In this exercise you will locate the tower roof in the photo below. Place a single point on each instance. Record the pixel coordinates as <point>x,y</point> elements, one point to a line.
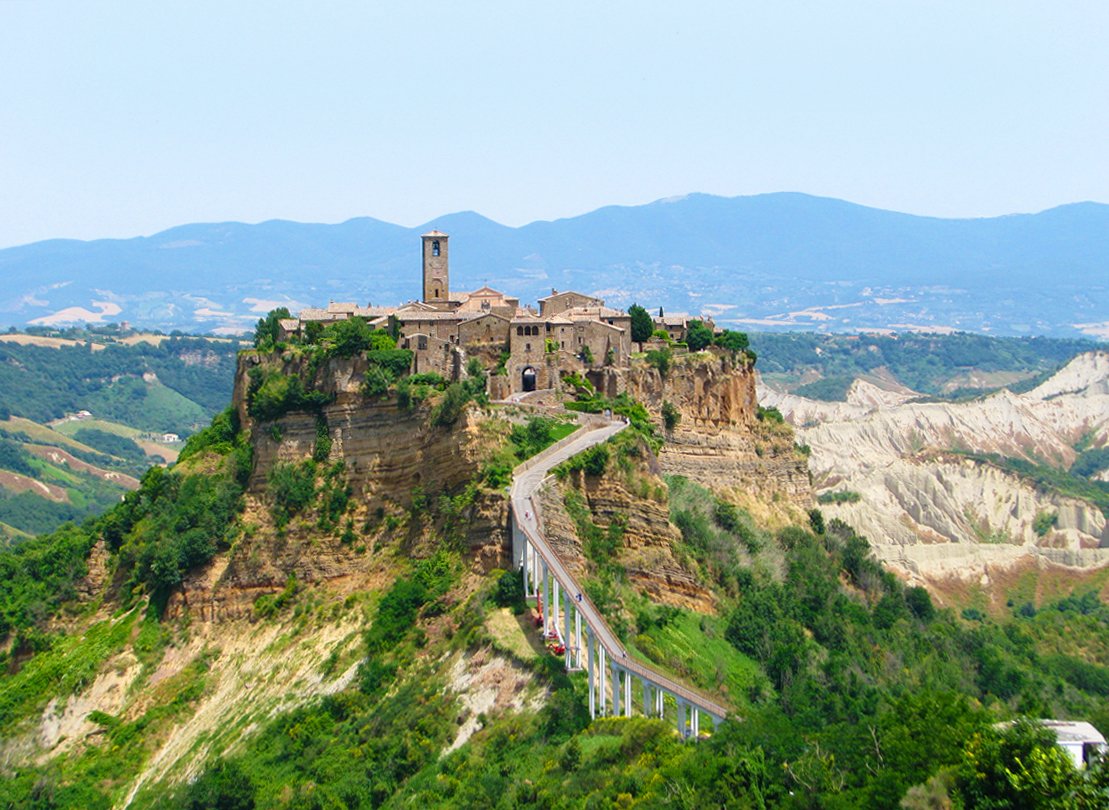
<point>434,233</point>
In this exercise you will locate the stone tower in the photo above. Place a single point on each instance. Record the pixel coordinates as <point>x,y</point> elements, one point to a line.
<point>436,275</point>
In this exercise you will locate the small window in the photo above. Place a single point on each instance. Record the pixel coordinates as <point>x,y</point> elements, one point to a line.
<point>435,250</point>
<point>421,342</point>
<point>519,331</point>
<point>436,292</point>
<point>562,344</point>
<point>527,347</point>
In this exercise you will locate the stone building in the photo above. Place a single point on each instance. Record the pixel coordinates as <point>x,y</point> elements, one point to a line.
<point>526,349</point>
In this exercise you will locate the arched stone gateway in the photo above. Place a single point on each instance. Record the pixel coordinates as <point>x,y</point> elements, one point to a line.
<point>529,379</point>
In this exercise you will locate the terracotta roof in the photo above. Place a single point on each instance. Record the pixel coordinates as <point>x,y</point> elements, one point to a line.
<point>477,316</point>
<point>555,294</point>
<point>341,306</point>
<point>374,312</point>
<point>487,291</point>
<point>584,313</point>
<point>434,233</point>
<point>418,316</point>
<point>526,316</point>
<point>316,314</point>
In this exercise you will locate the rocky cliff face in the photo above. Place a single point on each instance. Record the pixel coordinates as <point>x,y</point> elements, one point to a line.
<point>396,466</point>
<point>646,542</point>
<point>718,441</point>
<point>937,513</point>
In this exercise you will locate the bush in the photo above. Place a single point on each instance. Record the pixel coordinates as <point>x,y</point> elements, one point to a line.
<point>272,394</point>
<point>771,415</point>
<point>671,416</point>
<point>1045,522</point>
<point>661,360</point>
<point>840,496</point>
<point>509,592</point>
<point>397,362</point>
<point>377,382</point>
<point>920,603</point>
<point>448,410</point>
<point>292,487</point>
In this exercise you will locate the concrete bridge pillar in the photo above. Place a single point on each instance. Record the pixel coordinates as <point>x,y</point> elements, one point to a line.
<point>577,637</point>
<point>554,606</point>
<point>615,690</point>
<point>681,719</point>
<point>602,669</point>
<point>546,601</point>
<point>589,678</point>
<point>524,562</point>
<point>627,694</point>
<point>567,641</point>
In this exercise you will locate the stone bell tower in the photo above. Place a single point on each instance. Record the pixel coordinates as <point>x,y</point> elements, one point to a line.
<point>436,275</point>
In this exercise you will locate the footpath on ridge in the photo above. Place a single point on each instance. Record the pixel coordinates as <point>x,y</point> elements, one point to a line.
<point>527,479</point>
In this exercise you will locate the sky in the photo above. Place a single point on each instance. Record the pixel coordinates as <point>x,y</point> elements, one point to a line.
<point>120,119</point>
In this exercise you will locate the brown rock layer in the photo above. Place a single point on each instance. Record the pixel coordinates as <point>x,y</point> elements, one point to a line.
<point>718,441</point>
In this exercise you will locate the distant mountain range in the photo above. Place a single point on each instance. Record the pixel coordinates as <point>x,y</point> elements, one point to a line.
<point>773,261</point>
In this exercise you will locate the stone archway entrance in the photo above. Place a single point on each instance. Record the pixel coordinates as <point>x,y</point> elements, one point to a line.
<point>529,379</point>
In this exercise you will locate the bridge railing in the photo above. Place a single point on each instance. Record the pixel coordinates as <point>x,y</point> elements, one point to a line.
<point>593,618</point>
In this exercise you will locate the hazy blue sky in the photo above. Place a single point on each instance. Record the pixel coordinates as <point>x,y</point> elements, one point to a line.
<point>124,118</point>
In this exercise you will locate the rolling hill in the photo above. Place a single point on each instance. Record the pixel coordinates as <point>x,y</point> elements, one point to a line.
<point>769,261</point>
<point>84,414</point>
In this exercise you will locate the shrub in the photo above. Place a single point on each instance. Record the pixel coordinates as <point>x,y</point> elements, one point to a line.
<point>377,382</point>
<point>292,487</point>
<point>660,359</point>
<point>509,592</point>
<point>448,410</point>
<point>1045,522</point>
<point>840,496</point>
<point>671,416</point>
<point>771,415</point>
<point>595,459</point>
<point>397,362</point>
<point>920,603</point>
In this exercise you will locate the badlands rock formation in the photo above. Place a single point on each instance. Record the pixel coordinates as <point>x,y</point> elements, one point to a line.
<point>934,512</point>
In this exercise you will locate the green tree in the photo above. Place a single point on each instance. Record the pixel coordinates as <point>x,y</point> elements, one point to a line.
<point>732,341</point>
<point>698,336</point>
<point>1016,766</point>
<point>642,325</point>
<point>266,330</point>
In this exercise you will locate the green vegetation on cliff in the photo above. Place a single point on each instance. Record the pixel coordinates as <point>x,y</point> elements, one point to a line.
<point>851,689</point>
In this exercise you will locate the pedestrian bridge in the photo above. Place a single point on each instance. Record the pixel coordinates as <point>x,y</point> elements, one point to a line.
<point>617,684</point>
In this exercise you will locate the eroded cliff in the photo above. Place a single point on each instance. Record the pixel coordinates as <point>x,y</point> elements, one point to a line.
<point>718,440</point>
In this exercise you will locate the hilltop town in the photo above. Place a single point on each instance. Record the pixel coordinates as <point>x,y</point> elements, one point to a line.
<point>570,331</point>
